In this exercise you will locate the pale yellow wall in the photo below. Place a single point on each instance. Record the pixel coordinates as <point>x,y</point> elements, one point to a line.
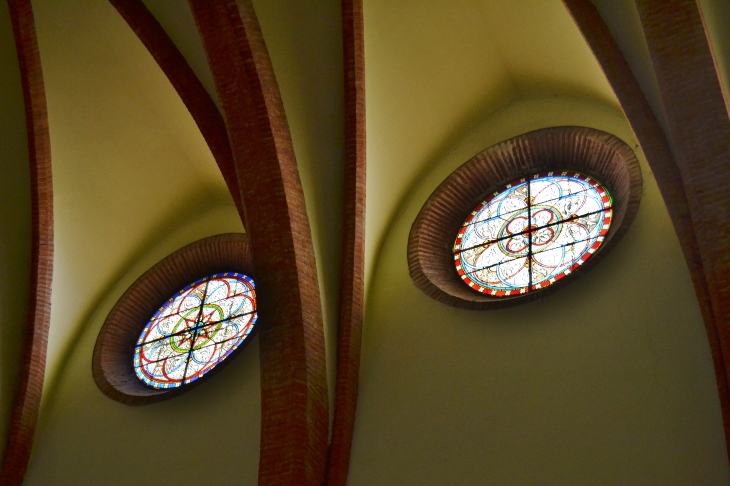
<point>209,435</point>
<point>134,181</point>
<point>435,69</point>
<point>15,223</point>
<point>608,381</point>
<point>432,71</point>
<point>128,159</point>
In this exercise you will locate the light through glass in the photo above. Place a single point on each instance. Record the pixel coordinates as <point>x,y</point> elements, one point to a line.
<point>532,233</point>
<point>195,330</point>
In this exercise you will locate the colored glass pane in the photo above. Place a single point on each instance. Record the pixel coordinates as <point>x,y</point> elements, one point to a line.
<point>532,233</point>
<point>195,330</point>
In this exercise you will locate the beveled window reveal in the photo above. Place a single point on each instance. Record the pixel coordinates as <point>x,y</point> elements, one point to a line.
<point>532,233</point>
<point>166,335</point>
<point>524,217</point>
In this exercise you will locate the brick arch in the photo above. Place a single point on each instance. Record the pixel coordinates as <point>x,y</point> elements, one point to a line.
<point>28,401</point>
<point>294,422</point>
<point>352,298</point>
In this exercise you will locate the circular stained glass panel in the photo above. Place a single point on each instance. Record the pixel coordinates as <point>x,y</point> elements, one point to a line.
<point>533,232</point>
<point>195,330</point>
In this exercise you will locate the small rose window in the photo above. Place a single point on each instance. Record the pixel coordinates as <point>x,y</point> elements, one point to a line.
<point>195,330</point>
<point>167,335</point>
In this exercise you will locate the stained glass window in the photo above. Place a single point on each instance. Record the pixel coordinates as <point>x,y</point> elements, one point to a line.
<point>532,233</point>
<point>195,330</point>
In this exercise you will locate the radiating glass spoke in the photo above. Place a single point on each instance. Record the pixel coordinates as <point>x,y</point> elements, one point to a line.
<point>196,326</point>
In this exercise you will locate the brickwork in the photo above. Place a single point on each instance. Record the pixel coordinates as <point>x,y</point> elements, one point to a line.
<point>27,404</point>
<point>112,361</point>
<point>699,125</point>
<point>585,150</point>
<point>352,299</point>
<point>294,424</point>
<point>188,86</point>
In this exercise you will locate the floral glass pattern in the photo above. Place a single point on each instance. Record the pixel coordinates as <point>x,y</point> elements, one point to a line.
<point>195,330</point>
<point>532,233</point>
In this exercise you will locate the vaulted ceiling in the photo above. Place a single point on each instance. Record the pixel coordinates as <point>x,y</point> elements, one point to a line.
<point>608,381</point>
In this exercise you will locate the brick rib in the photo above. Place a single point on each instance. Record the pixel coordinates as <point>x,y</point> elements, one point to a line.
<point>27,405</point>
<point>188,86</point>
<point>699,125</point>
<point>677,196</point>
<point>294,424</point>
<point>352,299</point>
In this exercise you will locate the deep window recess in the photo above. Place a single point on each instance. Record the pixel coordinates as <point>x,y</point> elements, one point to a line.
<point>524,217</point>
<point>167,335</point>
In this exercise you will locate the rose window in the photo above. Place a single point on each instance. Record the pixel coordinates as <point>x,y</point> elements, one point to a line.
<point>532,233</point>
<point>195,330</point>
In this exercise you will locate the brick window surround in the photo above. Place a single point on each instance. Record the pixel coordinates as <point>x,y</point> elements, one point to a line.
<point>112,360</point>
<point>592,152</point>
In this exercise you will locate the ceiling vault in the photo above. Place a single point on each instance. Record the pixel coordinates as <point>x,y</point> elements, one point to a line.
<point>188,86</point>
<point>699,128</point>
<point>28,400</point>
<point>249,137</point>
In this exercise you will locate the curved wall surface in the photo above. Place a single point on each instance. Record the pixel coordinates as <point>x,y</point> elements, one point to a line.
<point>607,381</point>
<point>134,182</point>
<point>209,435</point>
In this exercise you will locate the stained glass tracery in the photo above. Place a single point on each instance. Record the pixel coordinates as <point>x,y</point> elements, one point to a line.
<point>195,330</point>
<point>532,233</point>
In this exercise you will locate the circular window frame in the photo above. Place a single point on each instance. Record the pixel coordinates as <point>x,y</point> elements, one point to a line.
<point>112,362</point>
<point>585,150</point>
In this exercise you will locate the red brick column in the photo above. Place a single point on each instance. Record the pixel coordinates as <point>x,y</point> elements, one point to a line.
<point>294,422</point>
<point>188,86</point>
<point>28,401</point>
<point>699,125</point>
<point>352,299</point>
